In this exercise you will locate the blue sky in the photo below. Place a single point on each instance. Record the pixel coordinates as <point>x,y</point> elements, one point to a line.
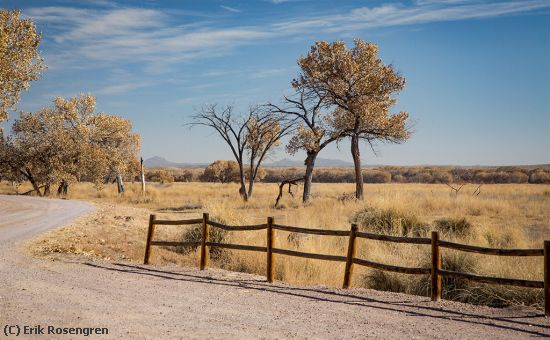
<point>478,72</point>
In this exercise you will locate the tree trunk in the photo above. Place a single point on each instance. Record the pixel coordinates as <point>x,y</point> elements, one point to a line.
<point>63,188</point>
<point>310,163</point>
<point>35,186</point>
<point>250,187</point>
<point>242,189</point>
<point>357,165</point>
<point>30,177</point>
<point>251,179</point>
<point>120,184</point>
<point>47,189</point>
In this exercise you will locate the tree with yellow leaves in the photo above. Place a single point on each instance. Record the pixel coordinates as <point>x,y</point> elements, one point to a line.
<point>361,88</point>
<point>20,62</point>
<point>68,142</point>
<point>221,171</point>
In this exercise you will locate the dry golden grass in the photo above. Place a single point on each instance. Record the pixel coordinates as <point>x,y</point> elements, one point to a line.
<point>511,215</point>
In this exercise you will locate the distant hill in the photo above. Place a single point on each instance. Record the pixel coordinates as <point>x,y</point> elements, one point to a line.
<point>161,162</point>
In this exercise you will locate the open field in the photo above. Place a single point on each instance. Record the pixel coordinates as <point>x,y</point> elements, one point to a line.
<point>176,301</point>
<point>501,216</point>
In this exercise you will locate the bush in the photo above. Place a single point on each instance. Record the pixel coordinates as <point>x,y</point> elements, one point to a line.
<point>186,176</point>
<point>376,176</point>
<point>195,235</point>
<point>456,288</point>
<point>454,227</point>
<point>221,171</point>
<point>162,176</point>
<point>539,176</point>
<point>396,282</point>
<point>390,222</point>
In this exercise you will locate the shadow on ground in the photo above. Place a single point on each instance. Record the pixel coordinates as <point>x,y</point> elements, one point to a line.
<point>528,323</point>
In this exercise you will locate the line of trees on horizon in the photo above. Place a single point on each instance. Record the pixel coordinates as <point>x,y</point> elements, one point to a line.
<point>222,171</point>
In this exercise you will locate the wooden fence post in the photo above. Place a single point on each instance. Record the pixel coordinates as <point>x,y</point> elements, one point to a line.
<point>436,267</point>
<point>547,278</point>
<point>204,239</point>
<point>351,254</point>
<point>270,241</point>
<point>142,178</point>
<point>150,234</point>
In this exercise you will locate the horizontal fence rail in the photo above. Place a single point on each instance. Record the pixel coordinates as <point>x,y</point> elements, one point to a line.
<point>491,251</point>
<point>175,244</point>
<point>309,255</point>
<point>494,280</point>
<point>391,268</point>
<point>311,231</point>
<point>178,222</point>
<point>435,272</point>
<point>237,227</point>
<point>236,246</point>
<point>396,239</point>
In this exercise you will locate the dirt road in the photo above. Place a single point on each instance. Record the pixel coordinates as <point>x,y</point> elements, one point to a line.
<point>147,302</point>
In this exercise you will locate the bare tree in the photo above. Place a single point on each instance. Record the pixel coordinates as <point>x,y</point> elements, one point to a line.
<point>252,135</point>
<point>313,134</point>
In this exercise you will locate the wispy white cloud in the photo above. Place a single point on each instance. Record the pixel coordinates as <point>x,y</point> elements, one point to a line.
<point>122,88</point>
<point>424,11</point>
<point>158,39</point>
<point>230,9</point>
<point>269,72</point>
<point>136,35</point>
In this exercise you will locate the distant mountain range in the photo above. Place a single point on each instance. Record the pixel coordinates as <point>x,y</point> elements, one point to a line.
<point>320,162</point>
<point>160,162</point>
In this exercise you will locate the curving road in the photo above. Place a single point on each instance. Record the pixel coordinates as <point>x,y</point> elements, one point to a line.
<point>145,302</point>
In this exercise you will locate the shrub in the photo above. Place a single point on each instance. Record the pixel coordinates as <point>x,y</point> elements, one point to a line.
<point>390,222</point>
<point>454,227</point>
<point>539,176</point>
<point>395,282</point>
<point>195,235</point>
<point>456,288</point>
<point>162,176</point>
<point>221,171</point>
<point>376,176</point>
<point>382,280</point>
<point>346,197</point>
<point>186,176</point>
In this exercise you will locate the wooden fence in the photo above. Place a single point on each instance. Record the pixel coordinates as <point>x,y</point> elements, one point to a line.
<point>350,259</point>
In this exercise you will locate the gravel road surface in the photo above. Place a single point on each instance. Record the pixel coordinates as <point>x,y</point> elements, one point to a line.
<point>148,302</point>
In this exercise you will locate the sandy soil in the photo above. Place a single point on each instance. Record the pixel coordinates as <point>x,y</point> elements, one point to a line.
<point>146,302</point>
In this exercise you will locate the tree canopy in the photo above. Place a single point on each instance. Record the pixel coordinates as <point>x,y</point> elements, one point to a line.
<point>69,142</point>
<point>20,61</point>
<point>361,88</point>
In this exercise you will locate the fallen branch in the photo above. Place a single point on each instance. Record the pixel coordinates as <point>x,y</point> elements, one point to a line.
<point>37,190</point>
<point>290,183</point>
